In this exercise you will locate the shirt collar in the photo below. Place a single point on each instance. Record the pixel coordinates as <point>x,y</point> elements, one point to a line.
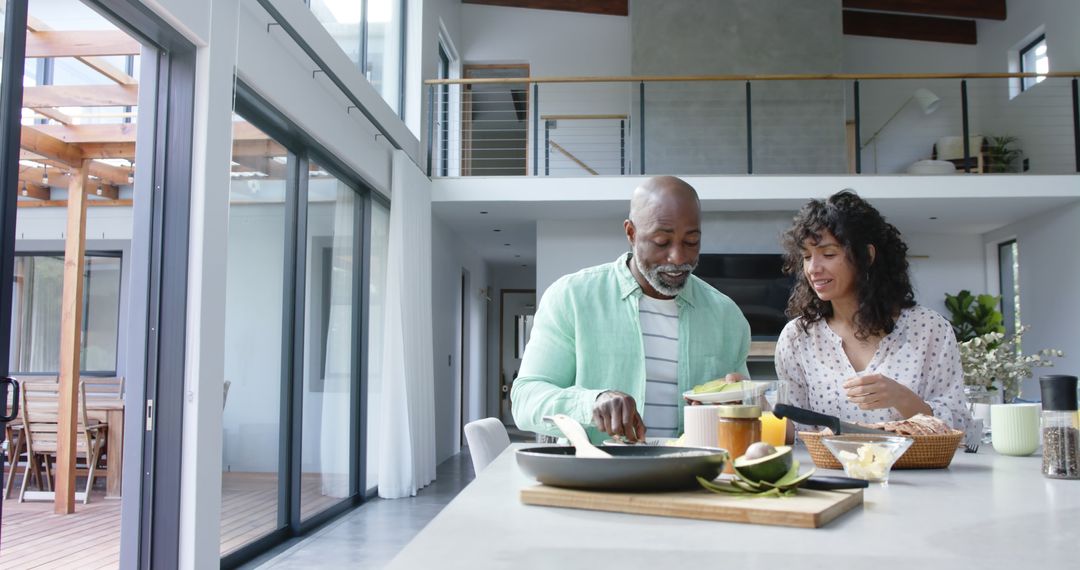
<point>628,284</point>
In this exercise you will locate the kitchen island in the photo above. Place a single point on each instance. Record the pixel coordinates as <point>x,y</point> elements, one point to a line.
<point>986,511</point>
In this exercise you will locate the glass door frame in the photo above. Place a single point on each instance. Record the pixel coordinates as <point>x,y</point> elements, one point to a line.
<point>302,150</point>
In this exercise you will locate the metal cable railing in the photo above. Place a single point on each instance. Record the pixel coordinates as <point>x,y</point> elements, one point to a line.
<point>754,124</point>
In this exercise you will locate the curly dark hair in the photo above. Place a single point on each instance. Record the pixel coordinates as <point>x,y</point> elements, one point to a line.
<point>884,286</point>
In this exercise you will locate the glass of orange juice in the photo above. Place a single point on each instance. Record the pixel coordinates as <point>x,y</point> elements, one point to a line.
<point>773,429</point>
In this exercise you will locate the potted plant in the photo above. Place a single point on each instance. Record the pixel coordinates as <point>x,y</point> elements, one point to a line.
<point>992,362</point>
<point>1001,154</point>
<point>972,316</point>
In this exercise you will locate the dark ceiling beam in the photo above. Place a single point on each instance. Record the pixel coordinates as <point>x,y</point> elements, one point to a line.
<point>926,29</point>
<point>607,7</point>
<point>981,9</point>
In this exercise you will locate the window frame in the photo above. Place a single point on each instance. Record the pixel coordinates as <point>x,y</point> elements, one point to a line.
<point>1024,85</point>
<point>107,253</point>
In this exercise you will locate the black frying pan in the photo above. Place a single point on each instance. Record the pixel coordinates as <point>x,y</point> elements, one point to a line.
<point>630,468</point>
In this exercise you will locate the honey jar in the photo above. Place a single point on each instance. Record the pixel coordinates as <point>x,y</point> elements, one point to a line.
<point>738,427</point>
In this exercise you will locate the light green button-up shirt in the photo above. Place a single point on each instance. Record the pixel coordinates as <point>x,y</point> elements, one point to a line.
<point>586,339</point>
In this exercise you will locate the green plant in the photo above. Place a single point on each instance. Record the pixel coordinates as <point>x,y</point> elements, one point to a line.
<point>995,362</point>
<point>974,316</point>
<point>1001,155</point>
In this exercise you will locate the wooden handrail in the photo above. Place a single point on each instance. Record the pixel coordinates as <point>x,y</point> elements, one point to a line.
<point>764,77</point>
<point>579,117</point>
<point>570,155</point>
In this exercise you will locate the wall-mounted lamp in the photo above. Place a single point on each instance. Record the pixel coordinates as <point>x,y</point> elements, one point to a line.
<point>131,175</point>
<point>485,293</point>
<point>45,176</point>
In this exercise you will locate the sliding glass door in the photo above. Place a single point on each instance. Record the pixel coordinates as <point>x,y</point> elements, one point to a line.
<point>327,460</point>
<point>295,331</point>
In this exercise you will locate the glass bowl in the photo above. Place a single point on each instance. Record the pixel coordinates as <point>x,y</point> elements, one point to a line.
<point>867,456</point>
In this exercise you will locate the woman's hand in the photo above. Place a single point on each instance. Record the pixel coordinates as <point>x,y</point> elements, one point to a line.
<point>876,391</point>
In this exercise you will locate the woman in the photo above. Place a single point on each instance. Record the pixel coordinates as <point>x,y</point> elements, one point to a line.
<point>859,347</point>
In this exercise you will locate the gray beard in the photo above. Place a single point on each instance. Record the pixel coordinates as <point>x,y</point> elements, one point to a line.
<point>654,278</point>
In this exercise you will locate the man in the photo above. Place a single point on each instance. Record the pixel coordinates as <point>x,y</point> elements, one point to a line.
<point>616,345</point>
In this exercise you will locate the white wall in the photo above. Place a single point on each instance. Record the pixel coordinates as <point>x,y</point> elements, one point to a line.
<point>1041,115</point>
<point>448,257</point>
<point>1049,282</point>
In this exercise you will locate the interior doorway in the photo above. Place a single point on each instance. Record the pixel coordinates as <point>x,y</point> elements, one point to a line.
<point>514,306</point>
<point>463,357</point>
<point>495,122</point>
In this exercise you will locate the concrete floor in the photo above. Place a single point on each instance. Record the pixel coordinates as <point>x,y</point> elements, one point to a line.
<point>372,534</point>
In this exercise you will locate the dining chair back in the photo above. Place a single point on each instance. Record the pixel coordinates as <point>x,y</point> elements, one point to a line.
<point>41,418</point>
<point>486,439</point>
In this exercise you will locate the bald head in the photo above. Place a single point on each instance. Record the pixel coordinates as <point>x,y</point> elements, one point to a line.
<point>663,192</point>
<point>664,231</point>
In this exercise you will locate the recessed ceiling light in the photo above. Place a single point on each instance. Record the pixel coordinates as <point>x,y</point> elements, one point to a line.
<point>933,217</point>
<point>516,255</point>
<point>496,230</point>
<point>483,211</point>
<point>523,265</point>
<point>506,244</point>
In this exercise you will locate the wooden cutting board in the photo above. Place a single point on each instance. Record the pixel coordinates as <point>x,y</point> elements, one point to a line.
<point>807,509</point>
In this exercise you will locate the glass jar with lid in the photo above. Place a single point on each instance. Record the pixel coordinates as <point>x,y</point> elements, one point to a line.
<point>738,427</point>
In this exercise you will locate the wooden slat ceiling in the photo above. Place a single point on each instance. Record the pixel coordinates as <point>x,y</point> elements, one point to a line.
<point>949,21</point>
<point>52,151</point>
<point>608,7</point>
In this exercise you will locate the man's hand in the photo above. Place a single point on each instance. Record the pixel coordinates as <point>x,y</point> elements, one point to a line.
<point>875,392</point>
<point>615,414</point>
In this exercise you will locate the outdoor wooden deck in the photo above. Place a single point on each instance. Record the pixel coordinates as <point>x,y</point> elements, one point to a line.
<point>33,537</point>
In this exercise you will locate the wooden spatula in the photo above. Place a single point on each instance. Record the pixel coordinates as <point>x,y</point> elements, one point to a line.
<point>577,436</point>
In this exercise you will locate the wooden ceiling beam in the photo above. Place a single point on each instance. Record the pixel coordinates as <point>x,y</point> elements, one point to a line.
<point>979,9</point>
<point>878,25</point>
<point>37,97</point>
<point>47,146</point>
<point>102,190</point>
<point>55,115</point>
<point>30,185</point>
<point>98,64</point>
<point>125,133</point>
<point>63,203</point>
<point>125,150</point>
<point>80,44</point>
<point>606,7</point>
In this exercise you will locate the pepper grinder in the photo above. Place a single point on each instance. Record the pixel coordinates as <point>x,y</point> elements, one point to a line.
<point>1060,427</point>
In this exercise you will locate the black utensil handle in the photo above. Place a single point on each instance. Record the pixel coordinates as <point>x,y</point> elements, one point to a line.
<point>807,417</point>
<point>6,417</point>
<point>830,483</point>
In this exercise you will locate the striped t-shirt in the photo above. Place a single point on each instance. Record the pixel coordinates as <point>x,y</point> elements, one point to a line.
<point>660,337</point>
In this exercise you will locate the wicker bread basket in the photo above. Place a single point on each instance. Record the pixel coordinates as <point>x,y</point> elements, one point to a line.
<point>927,452</point>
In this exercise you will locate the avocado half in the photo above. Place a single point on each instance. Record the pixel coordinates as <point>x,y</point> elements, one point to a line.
<point>718,385</point>
<point>769,468</point>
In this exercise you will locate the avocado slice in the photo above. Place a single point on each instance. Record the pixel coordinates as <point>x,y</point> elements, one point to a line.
<point>770,468</point>
<point>718,385</point>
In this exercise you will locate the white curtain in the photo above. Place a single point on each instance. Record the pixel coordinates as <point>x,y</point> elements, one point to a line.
<point>334,443</point>
<point>407,416</point>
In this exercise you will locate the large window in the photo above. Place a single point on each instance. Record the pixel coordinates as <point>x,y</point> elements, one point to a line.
<point>371,32</point>
<point>331,289</point>
<point>254,290</point>
<point>1034,59</point>
<point>294,316</point>
<point>1009,282</point>
<point>35,322</point>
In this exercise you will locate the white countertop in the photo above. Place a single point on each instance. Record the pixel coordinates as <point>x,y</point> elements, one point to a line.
<point>985,511</point>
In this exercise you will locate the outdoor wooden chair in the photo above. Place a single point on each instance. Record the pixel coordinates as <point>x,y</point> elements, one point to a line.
<point>40,425</point>
<point>103,387</point>
<point>35,385</point>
